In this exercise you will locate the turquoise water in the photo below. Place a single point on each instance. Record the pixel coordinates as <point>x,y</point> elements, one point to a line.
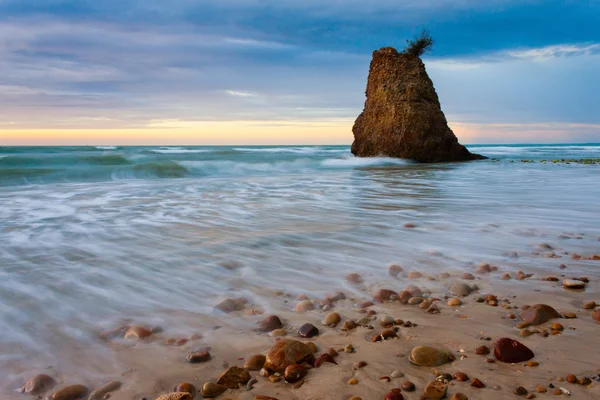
<point>90,236</point>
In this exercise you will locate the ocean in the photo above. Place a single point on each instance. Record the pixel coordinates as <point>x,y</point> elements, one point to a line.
<point>93,236</point>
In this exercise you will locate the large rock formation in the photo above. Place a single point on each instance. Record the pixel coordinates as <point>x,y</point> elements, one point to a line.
<point>402,116</point>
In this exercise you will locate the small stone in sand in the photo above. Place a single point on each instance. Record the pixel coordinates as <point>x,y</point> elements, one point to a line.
<point>308,331</point>
<point>265,398</point>
<point>569,315</point>
<point>461,289</point>
<point>557,327</point>
<point>394,396</point>
<point>293,373</point>
<point>37,385</point>
<point>573,284</point>
<point>571,378</point>
<point>435,390</point>
<point>523,325</point>
<point>331,319</point>
<point>288,352</point>
<point>520,391</point>
<point>185,387</point>
<point>482,351</point>
<point>397,374</point>
<point>525,333</point>
<point>408,386</point>
<point>539,314</point>
<point>476,383</point>
<point>270,323</point>
<point>255,362</point>
<point>454,302</point>
<point>231,305</point>
<point>324,358</point>
<point>461,376</point>
<point>354,278</point>
<point>395,270</point>
<point>353,381</point>
<point>304,306</point>
<point>138,332</point>
<point>198,357</point>
<point>596,315</point>
<point>387,320</point>
<point>414,291</point>
<point>279,333</point>
<point>73,392</point>
<point>349,349</point>
<point>541,389</point>
<point>533,364</point>
<point>415,275</point>
<point>505,277</point>
<point>511,351</point>
<point>426,356</point>
<point>233,377</point>
<point>360,364</point>
<point>103,391</point>
<point>589,305</point>
<point>468,276</point>
<point>176,396</point>
<point>459,396</point>
<point>413,301</point>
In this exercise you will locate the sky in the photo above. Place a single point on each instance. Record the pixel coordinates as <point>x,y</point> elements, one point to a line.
<point>288,72</point>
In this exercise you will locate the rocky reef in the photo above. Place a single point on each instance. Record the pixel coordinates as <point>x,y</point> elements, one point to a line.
<point>402,116</point>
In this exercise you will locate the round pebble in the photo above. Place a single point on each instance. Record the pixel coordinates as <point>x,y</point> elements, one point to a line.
<point>331,319</point>
<point>408,386</point>
<point>454,302</point>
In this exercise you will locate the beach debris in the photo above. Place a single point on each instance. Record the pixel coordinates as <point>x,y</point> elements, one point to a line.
<point>198,357</point>
<point>573,284</point>
<point>73,392</point>
<point>211,389</point>
<point>230,305</point>
<point>308,331</point>
<point>183,387</point>
<point>293,373</point>
<point>255,362</point>
<point>394,270</point>
<point>304,306</point>
<point>426,356</point>
<point>408,386</point>
<point>331,319</point>
<point>138,332</point>
<point>435,390</point>
<point>176,396</point>
<point>233,377</point>
<point>476,383</point>
<point>270,323</point>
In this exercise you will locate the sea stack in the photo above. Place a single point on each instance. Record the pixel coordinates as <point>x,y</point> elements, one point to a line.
<point>402,116</point>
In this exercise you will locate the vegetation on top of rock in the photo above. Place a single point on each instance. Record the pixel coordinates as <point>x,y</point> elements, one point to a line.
<point>419,45</point>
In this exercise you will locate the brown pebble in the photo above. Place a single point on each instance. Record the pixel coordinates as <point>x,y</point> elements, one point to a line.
<point>385,378</point>
<point>569,315</point>
<point>408,386</point>
<point>186,388</point>
<point>37,385</point>
<point>435,390</point>
<point>584,381</point>
<point>533,364</point>
<point>308,331</point>
<point>255,362</point>
<point>454,302</point>
<point>505,277</point>
<point>596,315</point>
<point>589,305</point>
<point>393,396</point>
<point>476,383</point>
<point>198,357</point>
<point>459,396</point>
<point>73,392</point>
<point>557,327</point>
<point>482,351</point>
<point>295,372</point>
<point>468,276</point>
<point>523,325</point>
<point>270,323</point>
<point>353,381</point>
<point>395,270</point>
<point>265,398</point>
<point>541,389</point>
<point>490,360</point>
<point>360,364</point>
<point>461,376</point>
<point>571,378</point>
<point>557,392</point>
<point>530,396</point>
<point>415,275</point>
<point>354,278</point>
<point>138,332</point>
<point>520,391</point>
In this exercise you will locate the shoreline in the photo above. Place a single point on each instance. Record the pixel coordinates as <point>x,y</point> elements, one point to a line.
<point>150,368</point>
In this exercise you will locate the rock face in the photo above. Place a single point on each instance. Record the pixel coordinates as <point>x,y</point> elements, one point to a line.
<point>402,116</point>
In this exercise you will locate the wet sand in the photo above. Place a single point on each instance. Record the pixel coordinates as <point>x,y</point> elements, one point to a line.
<point>149,367</point>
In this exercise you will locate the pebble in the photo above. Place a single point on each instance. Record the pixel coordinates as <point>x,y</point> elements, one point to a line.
<point>539,314</point>
<point>484,268</point>
<point>525,333</point>
<point>349,349</point>
<point>506,277</point>
<point>279,333</point>
<point>569,315</point>
<point>308,331</point>
<point>323,358</point>
<point>523,325</point>
<point>353,381</point>
<point>468,276</point>
<point>413,301</point>
<point>397,374</point>
<point>102,391</point>
<point>454,302</point>
<point>251,384</point>
<point>571,378</point>
<point>461,376</point>
<point>584,381</point>
<point>73,392</point>
<point>293,373</point>
<point>138,332</point>
<point>230,305</point>
<point>37,385</point>
<point>176,396</point>
<point>541,389</point>
<point>435,390</point>
<point>332,352</point>
<point>312,347</point>
<point>255,362</point>
<point>482,351</point>
<point>270,323</point>
<point>415,275</point>
<point>533,364</point>
<point>557,392</point>
<point>394,396</point>
<point>408,386</point>
<point>414,291</point>
<point>395,270</point>
<point>331,319</point>
<point>511,351</point>
<point>233,377</point>
<point>461,289</point>
<point>596,315</point>
<point>265,398</point>
<point>426,356</point>
<point>304,306</point>
<point>349,325</point>
<point>287,352</point>
<point>459,396</point>
<point>520,391</point>
<point>183,387</point>
<point>354,278</point>
<point>387,320</point>
<point>360,364</point>
<point>557,327</point>
<point>589,305</point>
<point>573,284</point>
<point>198,357</point>
<point>476,383</point>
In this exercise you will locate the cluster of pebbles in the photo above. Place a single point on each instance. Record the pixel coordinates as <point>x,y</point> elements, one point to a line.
<point>295,361</point>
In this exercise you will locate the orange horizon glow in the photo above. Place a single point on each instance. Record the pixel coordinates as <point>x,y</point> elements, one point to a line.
<point>329,132</point>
